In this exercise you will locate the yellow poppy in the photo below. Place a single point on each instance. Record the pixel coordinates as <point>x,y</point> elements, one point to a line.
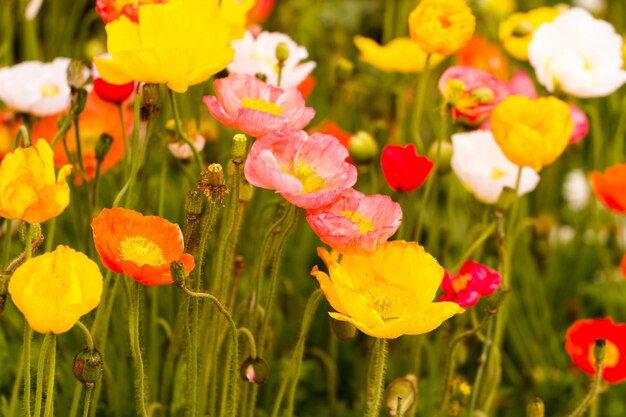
<point>236,15</point>
<point>531,132</point>
<point>28,188</point>
<point>400,55</point>
<point>442,26</point>
<point>516,32</point>
<point>180,43</point>
<point>56,289</point>
<point>386,294</point>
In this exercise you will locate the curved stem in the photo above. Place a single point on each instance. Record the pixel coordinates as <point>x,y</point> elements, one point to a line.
<point>87,334</point>
<point>22,132</point>
<point>476,244</point>
<point>181,132</point>
<point>376,376</point>
<point>251,343</point>
<point>591,394</point>
<point>67,123</point>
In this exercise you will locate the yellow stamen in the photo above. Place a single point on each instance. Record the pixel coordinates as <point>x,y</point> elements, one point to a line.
<point>262,106</point>
<point>365,224</point>
<point>308,176</point>
<point>49,90</point>
<point>496,174</point>
<point>459,283</point>
<point>141,251</point>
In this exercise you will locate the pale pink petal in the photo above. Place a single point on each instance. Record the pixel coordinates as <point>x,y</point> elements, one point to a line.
<point>216,109</point>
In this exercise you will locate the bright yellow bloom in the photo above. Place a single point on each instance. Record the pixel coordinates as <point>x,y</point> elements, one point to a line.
<point>442,26</point>
<point>400,55</point>
<point>516,32</point>
<point>386,294</point>
<point>532,132</point>
<point>180,43</point>
<point>236,15</point>
<point>28,188</point>
<point>56,289</point>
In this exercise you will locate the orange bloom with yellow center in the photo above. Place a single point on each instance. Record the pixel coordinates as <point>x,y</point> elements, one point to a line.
<point>442,26</point>
<point>487,56</point>
<point>142,247</point>
<point>610,187</point>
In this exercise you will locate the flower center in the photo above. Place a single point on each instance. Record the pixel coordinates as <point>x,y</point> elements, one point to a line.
<point>309,178</point>
<point>262,106</point>
<point>50,90</point>
<point>365,224</point>
<point>141,251</point>
<point>611,358</point>
<point>496,174</point>
<point>459,283</point>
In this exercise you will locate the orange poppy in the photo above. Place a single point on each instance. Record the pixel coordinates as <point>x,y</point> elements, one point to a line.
<point>6,138</point>
<point>487,56</point>
<point>142,247</point>
<point>623,266</point>
<point>98,117</point>
<point>610,187</point>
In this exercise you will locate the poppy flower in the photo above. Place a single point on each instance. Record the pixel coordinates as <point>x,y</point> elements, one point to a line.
<point>442,26</point>
<point>473,281</point>
<point>580,124</point>
<point>142,247</point>
<point>356,223</point>
<point>29,188</point>
<point>309,172</point>
<point>388,293</point>
<point>610,187</point>
<point>56,289</point>
<point>244,102</point>
<point>484,55</point>
<point>261,11</point>
<point>403,168</point>
<point>580,340</point>
<point>402,55</point>
<point>517,30</point>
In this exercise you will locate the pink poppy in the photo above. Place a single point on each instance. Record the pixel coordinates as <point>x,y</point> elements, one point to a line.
<point>244,102</point>
<point>473,281</point>
<point>471,93</point>
<point>522,85</point>
<point>309,172</point>
<point>356,223</point>
<point>581,124</point>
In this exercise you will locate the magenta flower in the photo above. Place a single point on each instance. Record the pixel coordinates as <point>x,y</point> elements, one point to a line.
<point>310,172</point>
<point>356,223</point>
<point>473,281</point>
<point>244,102</point>
<point>471,93</point>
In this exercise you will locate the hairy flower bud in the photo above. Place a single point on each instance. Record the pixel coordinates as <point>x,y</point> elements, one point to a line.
<point>103,146</point>
<point>88,365</point>
<point>363,148</point>
<point>179,275</point>
<point>254,370</point>
<point>535,408</point>
<point>239,148</point>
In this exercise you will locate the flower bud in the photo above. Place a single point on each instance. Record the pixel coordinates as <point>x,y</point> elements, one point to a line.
<point>254,370</point>
<point>599,351</point>
<point>444,159</point>
<point>261,76</point>
<point>535,408</point>
<point>103,146</point>
<point>179,275</point>
<point>345,68</point>
<point>194,203</point>
<point>483,95</point>
<point>212,183</point>
<point>239,148</point>
<point>404,389</point>
<point>149,101</point>
<point>506,200</point>
<point>76,75</point>
<point>282,52</point>
<point>88,365</point>
<point>363,148</point>
<point>79,100</point>
<point>343,330</point>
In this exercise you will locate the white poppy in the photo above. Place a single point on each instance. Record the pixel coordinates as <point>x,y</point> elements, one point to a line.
<point>578,54</point>
<point>483,169</point>
<point>258,56</point>
<point>576,190</point>
<point>35,87</point>
<point>182,150</point>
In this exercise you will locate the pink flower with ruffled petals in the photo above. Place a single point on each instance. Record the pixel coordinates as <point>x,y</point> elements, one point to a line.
<point>258,109</point>
<point>581,124</point>
<point>309,172</point>
<point>356,223</point>
<point>471,93</point>
<point>473,281</point>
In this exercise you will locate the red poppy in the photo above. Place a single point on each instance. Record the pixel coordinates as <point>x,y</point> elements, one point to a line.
<point>610,187</point>
<point>111,92</point>
<point>403,168</point>
<point>580,340</point>
<point>473,281</point>
<point>142,247</point>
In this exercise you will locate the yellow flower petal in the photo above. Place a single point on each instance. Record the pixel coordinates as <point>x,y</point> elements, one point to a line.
<point>400,55</point>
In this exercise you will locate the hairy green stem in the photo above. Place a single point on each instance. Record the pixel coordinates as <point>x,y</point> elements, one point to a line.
<point>52,354</point>
<point>134,293</point>
<point>591,394</point>
<point>376,378</point>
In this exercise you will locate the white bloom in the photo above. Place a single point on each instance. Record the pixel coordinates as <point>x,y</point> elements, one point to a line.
<point>576,190</point>
<point>35,87</point>
<point>578,54</point>
<point>484,170</point>
<point>594,6</point>
<point>258,56</point>
<point>181,150</point>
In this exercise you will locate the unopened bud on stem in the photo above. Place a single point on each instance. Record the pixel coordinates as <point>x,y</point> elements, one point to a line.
<point>535,408</point>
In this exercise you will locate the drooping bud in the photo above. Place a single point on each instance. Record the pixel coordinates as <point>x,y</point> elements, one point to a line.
<point>103,146</point>
<point>239,148</point>
<point>343,330</point>
<point>254,370</point>
<point>212,183</point>
<point>179,275</point>
<point>282,52</point>
<point>535,408</point>
<point>149,101</point>
<point>88,365</point>
<point>401,391</point>
<point>363,148</point>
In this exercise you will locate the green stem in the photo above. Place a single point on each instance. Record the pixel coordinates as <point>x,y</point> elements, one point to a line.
<point>419,104</point>
<point>484,357</point>
<point>49,412</point>
<point>251,343</point>
<point>476,244</point>
<point>591,394</point>
<point>181,132</point>
<point>67,123</point>
<point>88,338</point>
<point>87,405</point>
<point>134,290</point>
<point>52,226</point>
<point>22,133</point>
<point>7,244</point>
<point>134,157</point>
<point>41,369</point>
<point>120,112</point>
<point>376,375</point>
